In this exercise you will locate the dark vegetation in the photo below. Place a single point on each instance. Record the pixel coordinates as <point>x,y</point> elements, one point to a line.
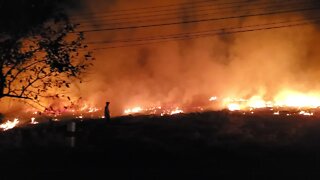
<point>206,145</point>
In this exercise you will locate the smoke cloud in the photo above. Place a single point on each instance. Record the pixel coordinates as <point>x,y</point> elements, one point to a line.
<point>187,72</point>
<point>183,72</point>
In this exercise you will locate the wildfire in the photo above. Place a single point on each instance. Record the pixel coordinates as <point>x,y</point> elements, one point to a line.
<point>9,124</point>
<point>153,110</point>
<point>295,99</point>
<point>285,103</point>
<point>213,98</point>
<point>306,113</point>
<point>257,102</point>
<point>33,120</point>
<point>79,117</point>
<point>93,109</point>
<point>133,110</point>
<point>285,99</point>
<point>176,111</point>
<point>276,113</point>
<point>234,107</point>
<point>89,109</point>
<point>73,109</point>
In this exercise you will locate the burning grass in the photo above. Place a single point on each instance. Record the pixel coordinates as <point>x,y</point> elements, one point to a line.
<point>287,103</point>
<point>9,124</point>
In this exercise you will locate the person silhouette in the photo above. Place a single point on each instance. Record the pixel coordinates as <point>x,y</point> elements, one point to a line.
<point>106,111</point>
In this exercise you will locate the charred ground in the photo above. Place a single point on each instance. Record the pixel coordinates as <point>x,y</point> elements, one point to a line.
<point>205,145</point>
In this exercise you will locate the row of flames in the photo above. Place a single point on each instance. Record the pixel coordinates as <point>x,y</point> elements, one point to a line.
<point>305,103</point>
<point>50,113</point>
<point>283,100</point>
<point>153,110</point>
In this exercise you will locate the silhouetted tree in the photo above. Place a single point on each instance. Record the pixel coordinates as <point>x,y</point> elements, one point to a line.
<point>38,54</point>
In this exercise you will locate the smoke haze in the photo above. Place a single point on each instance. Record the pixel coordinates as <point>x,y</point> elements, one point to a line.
<point>183,72</point>
<point>180,72</point>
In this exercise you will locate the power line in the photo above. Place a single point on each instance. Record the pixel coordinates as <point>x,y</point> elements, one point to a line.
<point>150,38</point>
<point>198,21</point>
<point>154,14</point>
<point>166,14</point>
<point>133,14</point>
<point>150,7</point>
<point>149,18</point>
<point>235,4</point>
<point>222,32</point>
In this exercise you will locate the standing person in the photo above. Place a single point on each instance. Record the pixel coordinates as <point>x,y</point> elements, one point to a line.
<point>107,112</point>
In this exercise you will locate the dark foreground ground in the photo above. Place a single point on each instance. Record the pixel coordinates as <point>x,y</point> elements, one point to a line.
<point>210,145</point>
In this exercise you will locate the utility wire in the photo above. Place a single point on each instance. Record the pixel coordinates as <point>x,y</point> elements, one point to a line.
<point>148,8</point>
<point>236,4</point>
<point>166,14</point>
<point>219,32</point>
<point>150,38</point>
<point>150,19</point>
<point>180,8</point>
<point>198,21</point>
<point>139,15</point>
<point>134,14</point>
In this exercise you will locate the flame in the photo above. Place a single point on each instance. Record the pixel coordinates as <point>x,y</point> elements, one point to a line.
<point>87,108</point>
<point>234,107</point>
<point>296,99</point>
<point>33,120</point>
<point>9,124</point>
<point>302,103</point>
<point>306,113</point>
<point>153,110</point>
<point>285,99</point>
<point>213,98</point>
<point>84,107</point>
<point>133,110</point>
<point>93,109</point>
<point>257,102</point>
<point>176,111</point>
